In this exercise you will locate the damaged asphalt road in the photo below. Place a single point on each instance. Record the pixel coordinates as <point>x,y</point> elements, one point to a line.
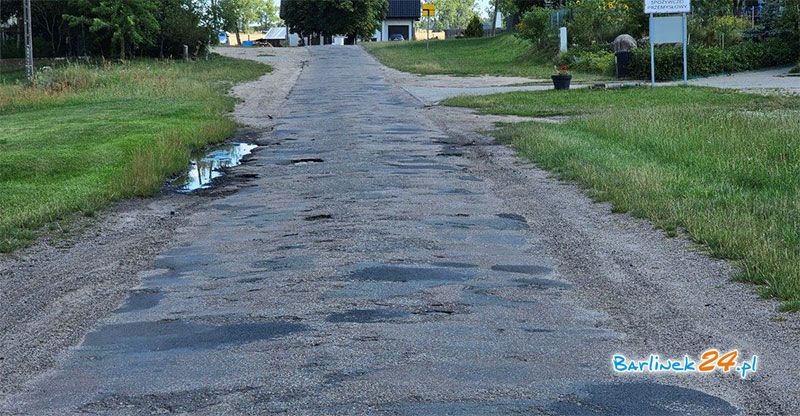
<point>372,264</point>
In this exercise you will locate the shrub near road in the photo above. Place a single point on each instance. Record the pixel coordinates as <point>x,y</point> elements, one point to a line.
<point>723,166</point>
<point>83,137</point>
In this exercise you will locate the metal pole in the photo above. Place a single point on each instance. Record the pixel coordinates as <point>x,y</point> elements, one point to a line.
<point>685,63</point>
<point>428,42</point>
<point>26,5</point>
<point>652,54</point>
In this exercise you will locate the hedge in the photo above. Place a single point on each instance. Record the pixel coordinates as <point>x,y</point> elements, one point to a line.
<point>710,60</point>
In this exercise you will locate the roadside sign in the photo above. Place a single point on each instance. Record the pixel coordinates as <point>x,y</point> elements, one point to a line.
<point>428,9</point>
<point>667,29</point>
<point>667,6</point>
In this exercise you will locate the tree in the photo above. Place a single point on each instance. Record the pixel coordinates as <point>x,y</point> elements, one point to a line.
<point>48,18</point>
<point>514,9</point>
<point>181,23</point>
<point>127,22</point>
<point>452,14</point>
<point>237,15</point>
<point>535,26</point>
<point>474,27</point>
<point>342,17</point>
<point>269,16</point>
<point>790,23</point>
<point>496,5</point>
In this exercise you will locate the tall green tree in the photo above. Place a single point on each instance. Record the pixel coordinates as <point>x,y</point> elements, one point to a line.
<point>181,23</point>
<point>238,15</point>
<point>342,17</point>
<point>453,14</point>
<point>790,23</point>
<point>127,22</point>
<point>269,15</point>
<point>474,27</point>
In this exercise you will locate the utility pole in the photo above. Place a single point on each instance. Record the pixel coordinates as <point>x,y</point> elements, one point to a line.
<point>26,6</point>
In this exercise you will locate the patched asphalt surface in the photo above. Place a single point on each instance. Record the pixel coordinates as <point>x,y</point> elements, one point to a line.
<point>375,262</point>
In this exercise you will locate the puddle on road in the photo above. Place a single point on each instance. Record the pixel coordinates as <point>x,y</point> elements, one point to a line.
<point>204,169</point>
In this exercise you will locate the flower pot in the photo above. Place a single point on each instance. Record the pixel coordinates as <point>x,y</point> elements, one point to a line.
<point>561,81</point>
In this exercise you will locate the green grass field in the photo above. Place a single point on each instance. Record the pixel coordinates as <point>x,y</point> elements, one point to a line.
<point>722,166</point>
<point>499,55</point>
<point>11,75</point>
<point>83,137</point>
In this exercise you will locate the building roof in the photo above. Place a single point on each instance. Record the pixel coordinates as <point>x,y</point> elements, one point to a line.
<point>404,9</point>
<point>275,33</point>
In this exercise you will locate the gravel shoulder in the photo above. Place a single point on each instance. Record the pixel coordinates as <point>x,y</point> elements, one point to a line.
<point>53,292</point>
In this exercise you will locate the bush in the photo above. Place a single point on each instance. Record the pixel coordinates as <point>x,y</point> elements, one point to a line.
<point>710,60</point>
<point>600,21</point>
<point>535,27</point>
<point>599,62</point>
<point>714,30</point>
<point>474,28</point>
<point>727,29</point>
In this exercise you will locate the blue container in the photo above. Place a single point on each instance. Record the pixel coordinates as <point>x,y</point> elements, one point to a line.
<point>247,43</point>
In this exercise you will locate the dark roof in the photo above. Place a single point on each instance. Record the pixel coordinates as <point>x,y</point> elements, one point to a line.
<point>404,9</point>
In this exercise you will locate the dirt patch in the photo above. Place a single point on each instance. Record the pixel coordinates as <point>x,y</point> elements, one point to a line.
<point>262,99</point>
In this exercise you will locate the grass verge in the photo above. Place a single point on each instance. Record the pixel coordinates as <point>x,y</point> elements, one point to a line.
<point>85,136</point>
<point>498,55</point>
<point>722,166</point>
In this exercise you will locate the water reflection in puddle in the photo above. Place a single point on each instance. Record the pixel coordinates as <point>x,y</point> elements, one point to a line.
<point>204,169</point>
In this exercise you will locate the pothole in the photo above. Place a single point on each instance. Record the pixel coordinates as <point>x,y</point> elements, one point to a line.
<point>318,217</point>
<point>306,161</point>
<point>204,169</point>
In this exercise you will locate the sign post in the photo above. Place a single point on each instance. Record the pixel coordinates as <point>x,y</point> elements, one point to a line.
<point>667,29</point>
<point>428,10</point>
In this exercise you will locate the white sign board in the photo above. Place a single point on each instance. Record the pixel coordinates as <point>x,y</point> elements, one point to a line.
<point>667,6</point>
<point>666,29</point>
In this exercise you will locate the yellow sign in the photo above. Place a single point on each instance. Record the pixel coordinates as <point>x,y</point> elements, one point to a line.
<point>428,9</point>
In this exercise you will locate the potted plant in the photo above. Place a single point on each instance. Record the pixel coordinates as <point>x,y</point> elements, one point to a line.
<point>562,77</point>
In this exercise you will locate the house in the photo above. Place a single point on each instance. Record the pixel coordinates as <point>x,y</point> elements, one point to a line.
<point>400,19</point>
